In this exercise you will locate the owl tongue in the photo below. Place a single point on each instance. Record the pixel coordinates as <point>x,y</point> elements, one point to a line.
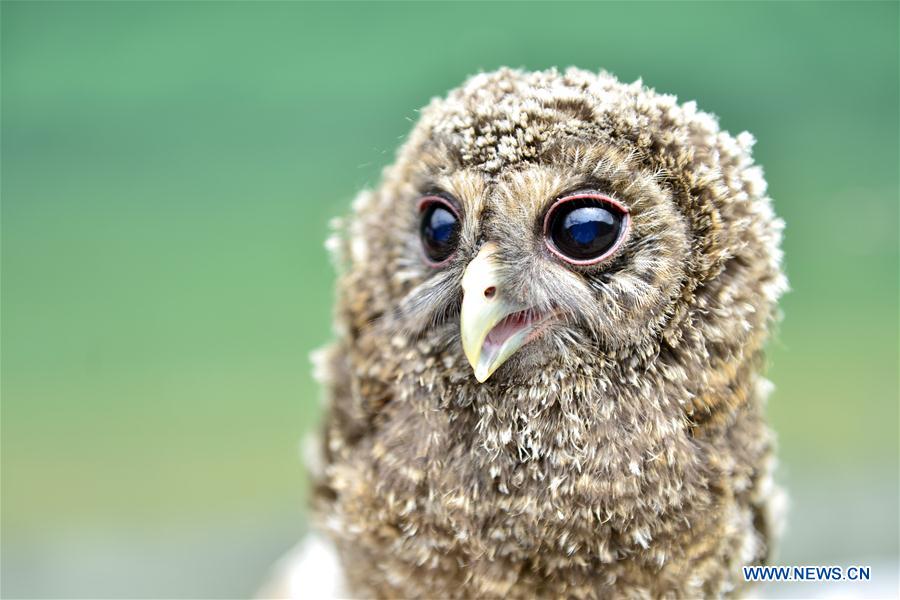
<point>507,328</point>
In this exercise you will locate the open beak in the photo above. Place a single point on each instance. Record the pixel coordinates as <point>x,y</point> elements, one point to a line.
<point>493,327</point>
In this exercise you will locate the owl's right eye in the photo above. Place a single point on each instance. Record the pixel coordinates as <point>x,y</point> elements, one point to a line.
<point>439,229</point>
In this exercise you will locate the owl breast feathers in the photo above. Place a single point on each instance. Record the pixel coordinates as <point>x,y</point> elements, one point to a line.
<point>551,321</point>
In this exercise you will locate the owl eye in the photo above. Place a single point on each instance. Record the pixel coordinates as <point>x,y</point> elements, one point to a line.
<point>586,228</point>
<point>439,229</point>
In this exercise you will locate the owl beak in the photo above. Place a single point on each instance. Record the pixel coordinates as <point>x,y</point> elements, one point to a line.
<point>492,327</point>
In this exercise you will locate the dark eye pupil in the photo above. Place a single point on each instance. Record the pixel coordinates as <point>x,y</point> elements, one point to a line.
<point>440,229</point>
<point>585,229</point>
<point>440,226</point>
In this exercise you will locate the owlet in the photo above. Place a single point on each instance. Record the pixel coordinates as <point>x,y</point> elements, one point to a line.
<point>551,318</point>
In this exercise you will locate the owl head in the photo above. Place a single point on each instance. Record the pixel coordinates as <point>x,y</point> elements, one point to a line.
<point>563,226</point>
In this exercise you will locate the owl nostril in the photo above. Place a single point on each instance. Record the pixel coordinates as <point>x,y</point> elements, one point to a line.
<point>489,292</point>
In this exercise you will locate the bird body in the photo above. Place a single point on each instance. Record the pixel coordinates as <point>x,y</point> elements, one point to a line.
<point>546,382</point>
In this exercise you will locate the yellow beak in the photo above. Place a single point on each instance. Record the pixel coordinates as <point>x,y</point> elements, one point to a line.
<point>483,307</point>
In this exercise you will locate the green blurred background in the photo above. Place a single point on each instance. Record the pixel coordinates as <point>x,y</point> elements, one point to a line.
<point>168,174</point>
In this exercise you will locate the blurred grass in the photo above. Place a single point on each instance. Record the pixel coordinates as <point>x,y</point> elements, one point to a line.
<point>168,172</point>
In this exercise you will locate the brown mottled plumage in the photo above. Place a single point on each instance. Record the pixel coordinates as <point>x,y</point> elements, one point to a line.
<point>624,451</point>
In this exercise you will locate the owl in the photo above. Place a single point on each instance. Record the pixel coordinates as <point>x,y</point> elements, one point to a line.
<point>551,318</point>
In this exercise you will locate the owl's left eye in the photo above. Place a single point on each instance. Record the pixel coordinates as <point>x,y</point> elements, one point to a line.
<point>585,229</point>
<point>438,230</point>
